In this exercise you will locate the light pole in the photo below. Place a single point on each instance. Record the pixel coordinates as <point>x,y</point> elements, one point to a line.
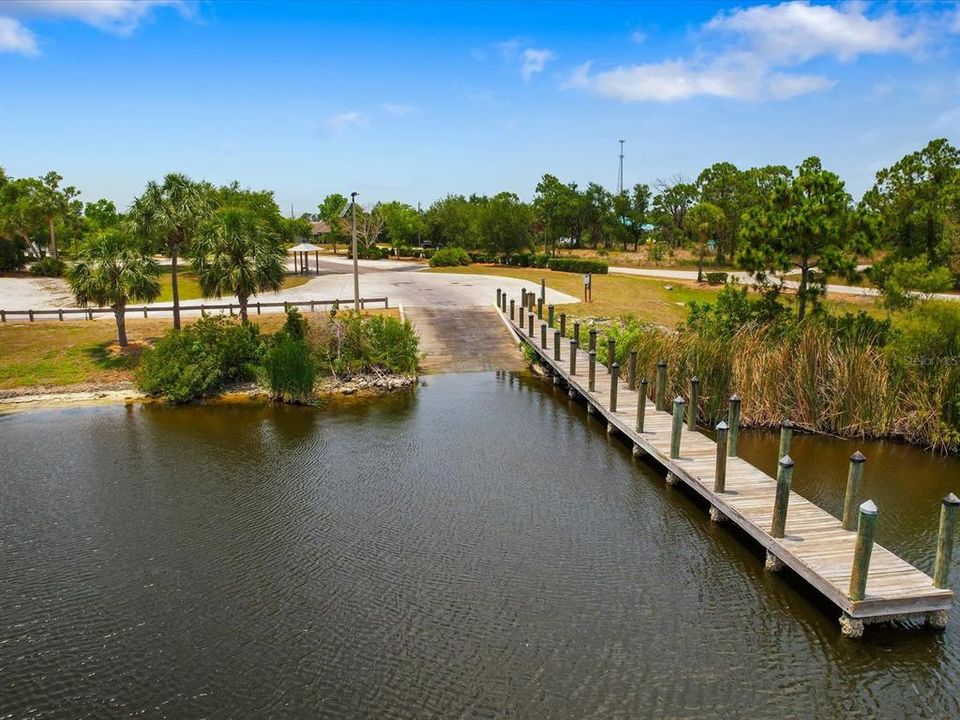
<point>356,267</point>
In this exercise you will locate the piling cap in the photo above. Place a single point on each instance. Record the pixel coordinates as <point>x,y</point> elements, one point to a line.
<point>951,499</point>
<point>593,353</point>
<point>786,461</point>
<point>695,379</point>
<point>616,365</point>
<point>858,457</point>
<point>735,397</point>
<point>787,424</point>
<point>643,380</point>
<point>722,426</point>
<point>678,399</point>
<point>662,363</point>
<point>869,508</point>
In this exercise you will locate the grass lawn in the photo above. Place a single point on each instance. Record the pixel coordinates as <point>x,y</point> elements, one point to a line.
<point>53,354</point>
<point>190,287</point>
<point>644,298</point>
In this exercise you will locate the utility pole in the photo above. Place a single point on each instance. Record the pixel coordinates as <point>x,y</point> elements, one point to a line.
<point>620,176</point>
<point>419,223</point>
<point>356,266</point>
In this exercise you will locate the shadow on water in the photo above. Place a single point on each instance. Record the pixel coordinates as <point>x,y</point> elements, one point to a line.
<point>477,548</point>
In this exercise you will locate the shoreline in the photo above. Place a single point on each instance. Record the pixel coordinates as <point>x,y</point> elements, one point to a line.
<point>31,398</point>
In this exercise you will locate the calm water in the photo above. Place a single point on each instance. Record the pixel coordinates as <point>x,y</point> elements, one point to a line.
<point>474,549</point>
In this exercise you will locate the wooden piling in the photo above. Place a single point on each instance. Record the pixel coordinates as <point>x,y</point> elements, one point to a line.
<point>539,308</point>
<point>499,295</point>
<point>632,370</point>
<point>851,498</point>
<point>563,324</point>
<point>543,289</point>
<point>576,331</point>
<point>786,437</point>
<point>543,336</point>
<point>948,529</point>
<point>694,407</point>
<point>574,346</point>
<point>720,477</point>
<point>593,339</point>
<point>513,305</point>
<point>530,324</point>
<point>782,498</point>
<point>614,381</point>
<point>641,405</point>
<point>676,429</point>
<point>556,345</point>
<point>550,315</point>
<point>866,529</point>
<point>611,353</point>
<point>660,390</point>
<point>733,420</point>
<point>592,372</point>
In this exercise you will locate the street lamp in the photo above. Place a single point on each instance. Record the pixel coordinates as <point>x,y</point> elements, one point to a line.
<point>356,267</point>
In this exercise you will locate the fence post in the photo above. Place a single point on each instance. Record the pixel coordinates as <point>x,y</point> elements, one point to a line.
<point>592,372</point>
<point>231,309</point>
<point>523,298</point>
<point>786,437</point>
<point>632,370</point>
<point>543,335</point>
<point>611,353</point>
<point>550,315</point>
<point>782,499</point>
<point>30,313</point>
<point>258,308</point>
<point>948,528</point>
<point>499,295</point>
<point>60,314</point>
<point>530,324</point>
<point>512,306</point>
<point>660,392</point>
<point>312,307</point>
<point>854,483</point>
<point>733,420</point>
<point>614,381</point>
<point>145,311</point>
<point>539,308</point>
<point>3,315</point>
<point>556,345</point>
<point>641,404</point>
<point>543,289</point>
<point>89,315</point>
<point>593,339</point>
<point>576,332</point>
<point>574,346</point>
<point>563,324</point>
<point>866,529</point>
<point>694,408</point>
<point>720,478</point>
<point>677,428</point>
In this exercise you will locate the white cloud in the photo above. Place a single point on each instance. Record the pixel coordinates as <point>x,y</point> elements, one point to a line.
<point>341,121</point>
<point>15,38</point>
<point>121,17</point>
<point>638,36</point>
<point>398,109</point>
<point>533,61</point>
<point>948,121</point>
<point>767,42</point>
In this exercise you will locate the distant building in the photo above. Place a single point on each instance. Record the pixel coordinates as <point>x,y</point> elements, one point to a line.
<point>318,228</point>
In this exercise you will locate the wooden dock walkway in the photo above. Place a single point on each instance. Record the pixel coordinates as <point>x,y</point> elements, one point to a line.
<point>814,545</point>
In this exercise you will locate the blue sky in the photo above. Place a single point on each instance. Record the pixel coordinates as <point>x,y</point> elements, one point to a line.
<point>413,101</point>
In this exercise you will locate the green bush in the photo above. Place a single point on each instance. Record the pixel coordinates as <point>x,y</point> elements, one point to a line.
<point>578,265</point>
<point>199,360</point>
<point>48,267</point>
<point>716,278</point>
<point>351,343</point>
<point>289,368</point>
<point>13,254</point>
<point>450,257</point>
<point>374,252</point>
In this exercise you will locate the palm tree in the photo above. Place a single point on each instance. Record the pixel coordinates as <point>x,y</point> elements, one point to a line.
<point>171,212</point>
<point>111,271</point>
<point>236,254</point>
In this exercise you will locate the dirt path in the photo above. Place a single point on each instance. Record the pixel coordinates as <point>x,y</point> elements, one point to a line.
<point>461,339</point>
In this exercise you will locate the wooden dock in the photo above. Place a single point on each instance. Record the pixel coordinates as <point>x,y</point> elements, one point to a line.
<point>814,545</point>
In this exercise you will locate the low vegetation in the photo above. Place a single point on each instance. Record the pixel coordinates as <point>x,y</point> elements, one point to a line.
<point>450,257</point>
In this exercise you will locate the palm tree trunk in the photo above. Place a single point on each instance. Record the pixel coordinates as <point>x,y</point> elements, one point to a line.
<point>121,317</point>
<point>243,308</point>
<point>700,263</point>
<point>174,247</point>
<point>53,239</point>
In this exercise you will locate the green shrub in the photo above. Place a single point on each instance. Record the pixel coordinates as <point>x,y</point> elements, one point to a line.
<point>13,254</point>
<point>578,265</point>
<point>716,278</point>
<point>374,252</point>
<point>199,360</point>
<point>351,343</point>
<point>450,257</point>
<point>289,368</point>
<point>48,267</point>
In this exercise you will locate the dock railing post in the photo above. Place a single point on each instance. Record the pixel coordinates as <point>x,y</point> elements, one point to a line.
<point>733,420</point>
<point>632,370</point>
<point>543,335</point>
<point>641,404</point>
<point>550,315</point>
<point>614,381</point>
<point>574,346</point>
<point>592,372</point>
<point>503,306</point>
<point>530,324</point>
<point>720,477</point>
<point>576,331</point>
<point>866,529</point>
<point>782,499</point>
<point>786,437</point>
<point>563,324</point>
<point>499,295</point>
<point>513,305</point>
<point>523,298</point>
<point>593,339</point>
<point>852,495</point>
<point>660,391</point>
<point>611,353</point>
<point>556,345</point>
<point>676,431</point>
<point>539,308</point>
<point>543,289</point>
<point>948,529</point>
<point>694,407</point>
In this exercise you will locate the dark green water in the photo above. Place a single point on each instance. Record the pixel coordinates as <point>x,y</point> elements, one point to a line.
<point>475,549</point>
